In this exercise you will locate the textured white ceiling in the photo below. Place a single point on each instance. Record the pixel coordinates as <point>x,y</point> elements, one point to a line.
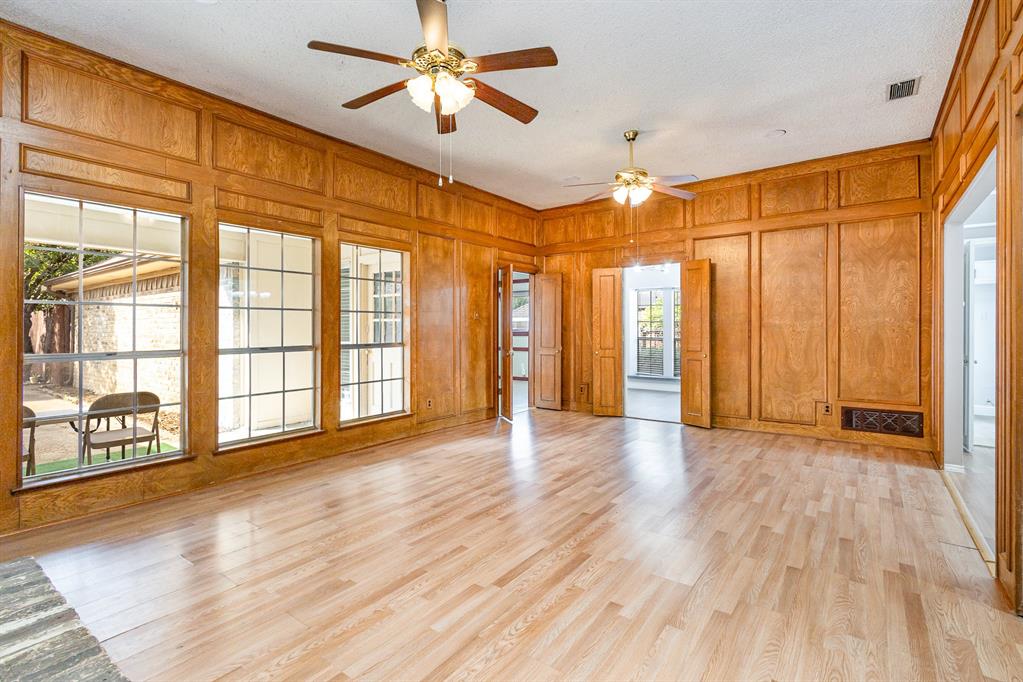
<point>703,80</point>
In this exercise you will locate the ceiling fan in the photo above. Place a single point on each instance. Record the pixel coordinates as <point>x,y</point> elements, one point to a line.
<point>442,67</point>
<point>635,185</point>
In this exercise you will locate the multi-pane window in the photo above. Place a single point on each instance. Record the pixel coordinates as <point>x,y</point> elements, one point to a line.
<point>677,307</point>
<point>650,331</point>
<point>103,325</point>
<point>268,376</point>
<point>372,332</point>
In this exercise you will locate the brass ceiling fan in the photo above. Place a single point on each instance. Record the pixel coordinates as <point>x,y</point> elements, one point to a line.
<point>634,184</point>
<point>442,67</point>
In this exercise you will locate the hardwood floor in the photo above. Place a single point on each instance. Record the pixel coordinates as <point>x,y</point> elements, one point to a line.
<point>976,485</point>
<point>565,546</point>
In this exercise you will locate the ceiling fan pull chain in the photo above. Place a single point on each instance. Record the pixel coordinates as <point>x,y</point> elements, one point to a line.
<point>440,161</point>
<point>451,156</point>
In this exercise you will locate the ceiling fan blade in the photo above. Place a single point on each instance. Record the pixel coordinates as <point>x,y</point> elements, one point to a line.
<point>680,193</point>
<point>588,184</point>
<point>355,52</point>
<point>517,59</point>
<point>371,97</point>
<point>505,103</point>
<point>445,124</point>
<point>433,14</point>
<point>674,179</point>
<point>603,194</point>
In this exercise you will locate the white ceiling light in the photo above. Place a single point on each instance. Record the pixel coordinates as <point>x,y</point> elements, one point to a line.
<point>453,93</point>
<point>421,90</point>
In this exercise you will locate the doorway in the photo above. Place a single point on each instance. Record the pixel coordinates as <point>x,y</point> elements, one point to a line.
<point>514,341</point>
<point>969,352</point>
<point>652,303</point>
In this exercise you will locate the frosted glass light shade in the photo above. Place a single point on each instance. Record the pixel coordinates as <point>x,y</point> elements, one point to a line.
<point>421,90</point>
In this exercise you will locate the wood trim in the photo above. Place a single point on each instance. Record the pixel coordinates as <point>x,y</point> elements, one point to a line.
<point>62,166</point>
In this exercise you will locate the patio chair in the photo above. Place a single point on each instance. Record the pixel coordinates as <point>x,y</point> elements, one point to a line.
<point>28,455</point>
<point>118,407</point>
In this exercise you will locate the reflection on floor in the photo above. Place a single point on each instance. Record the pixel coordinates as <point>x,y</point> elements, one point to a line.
<point>644,403</point>
<point>565,546</point>
<point>977,488</point>
<point>520,396</point>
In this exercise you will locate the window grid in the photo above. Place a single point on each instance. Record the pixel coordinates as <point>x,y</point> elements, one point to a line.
<point>383,308</point>
<point>650,332</point>
<point>245,287</point>
<point>677,305</point>
<point>80,416</point>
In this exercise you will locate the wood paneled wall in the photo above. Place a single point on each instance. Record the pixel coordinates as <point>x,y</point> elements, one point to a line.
<point>979,113</point>
<point>820,286</point>
<point>78,124</point>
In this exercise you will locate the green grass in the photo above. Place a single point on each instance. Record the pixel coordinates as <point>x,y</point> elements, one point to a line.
<point>99,457</point>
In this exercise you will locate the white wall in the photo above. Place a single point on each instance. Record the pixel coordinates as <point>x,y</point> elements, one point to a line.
<point>984,330</point>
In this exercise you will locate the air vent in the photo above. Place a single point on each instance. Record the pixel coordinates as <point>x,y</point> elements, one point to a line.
<point>903,89</point>
<point>883,421</point>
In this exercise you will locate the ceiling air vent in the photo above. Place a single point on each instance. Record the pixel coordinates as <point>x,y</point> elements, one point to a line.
<point>903,89</point>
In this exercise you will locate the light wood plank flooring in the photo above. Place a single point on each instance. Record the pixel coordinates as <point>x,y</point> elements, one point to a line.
<point>566,546</point>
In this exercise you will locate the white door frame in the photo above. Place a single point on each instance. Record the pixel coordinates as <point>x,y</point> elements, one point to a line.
<point>954,321</point>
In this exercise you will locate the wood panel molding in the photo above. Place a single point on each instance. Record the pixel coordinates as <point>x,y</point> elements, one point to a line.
<point>268,208</point>
<point>793,324</point>
<point>981,57</point>
<point>798,194</point>
<point>559,230</point>
<point>876,182</point>
<point>879,311</point>
<point>366,228</point>
<point>726,205</point>
<point>660,213</point>
<point>477,215</point>
<point>65,166</point>
<point>261,154</point>
<point>515,226</point>
<point>596,224</point>
<point>63,98</point>
<point>436,204</point>
<point>730,323</point>
<point>371,187</point>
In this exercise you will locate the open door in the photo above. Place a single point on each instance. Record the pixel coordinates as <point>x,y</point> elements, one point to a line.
<point>547,337</point>
<point>696,342</point>
<point>505,350</point>
<point>607,342</point>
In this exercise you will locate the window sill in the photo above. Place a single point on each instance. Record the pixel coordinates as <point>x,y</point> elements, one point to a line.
<point>85,475</point>
<point>342,426</point>
<point>231,448</point>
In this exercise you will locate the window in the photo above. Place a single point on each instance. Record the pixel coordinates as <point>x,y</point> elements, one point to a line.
<point>650,332</point>
<point>373,354</point>
<point>268,376</point>
<point>677,308</point>
<point>103,324</point>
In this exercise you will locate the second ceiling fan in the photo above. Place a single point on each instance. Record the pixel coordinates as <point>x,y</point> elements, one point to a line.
<point>442,84</point>
<point>635,185</point>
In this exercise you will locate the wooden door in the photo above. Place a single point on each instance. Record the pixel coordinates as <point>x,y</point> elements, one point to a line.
<point>696,342</point>
<point>607,342</point>
<point>506,341</point>
<point>546,375</point>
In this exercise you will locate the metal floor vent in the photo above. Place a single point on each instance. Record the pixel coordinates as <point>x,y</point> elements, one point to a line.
<point>903,89</point>
<point>883,421</point>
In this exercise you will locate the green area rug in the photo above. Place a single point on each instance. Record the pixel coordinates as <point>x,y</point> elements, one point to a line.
<point>41,637</point>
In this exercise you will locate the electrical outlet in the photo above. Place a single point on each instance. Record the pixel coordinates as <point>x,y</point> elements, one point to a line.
<point>429,403</point>
<point>826,408</point>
